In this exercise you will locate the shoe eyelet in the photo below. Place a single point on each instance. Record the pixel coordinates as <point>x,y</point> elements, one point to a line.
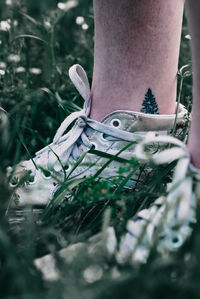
<point>116,123</point>
<point>176,241</point>
<point>14,182</point>
<point>103,135</point>
<point>46,174</point>
<point>57,168</point>
<point>32,179</point>
<point>94,146</point>
<point>67,168</point>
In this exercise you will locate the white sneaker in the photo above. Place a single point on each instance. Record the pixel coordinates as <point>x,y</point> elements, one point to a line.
<point>56,162</point>
<point>168,222</point>
<point>166,225</point>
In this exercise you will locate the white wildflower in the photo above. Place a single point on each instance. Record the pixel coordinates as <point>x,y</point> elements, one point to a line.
<point>15,23</point>
<point>35,71</point>
<point>85,26</point>
<point>67,5</point>
<point>5,25</point>
<point>20,69</point>
<point>2,65</point>
<point>80,20</point>
<point>9,2</point>
<point>2,72</point>
<point>188,37</point>
<point>47,24</point>
<point>14,58</point>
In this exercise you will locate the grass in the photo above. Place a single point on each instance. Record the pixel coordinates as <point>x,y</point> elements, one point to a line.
<point>35,54</point>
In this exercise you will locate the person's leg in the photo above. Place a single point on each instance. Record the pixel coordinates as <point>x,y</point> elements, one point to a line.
<point>136,48</point>
<point>193,12</point>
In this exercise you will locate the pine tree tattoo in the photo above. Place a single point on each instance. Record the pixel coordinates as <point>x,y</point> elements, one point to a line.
<point>149,104</point>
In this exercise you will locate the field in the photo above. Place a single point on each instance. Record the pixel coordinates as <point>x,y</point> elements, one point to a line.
<point>39,41</point>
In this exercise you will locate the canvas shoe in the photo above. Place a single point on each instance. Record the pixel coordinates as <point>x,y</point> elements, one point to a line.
<point>54,164</point>
<point>167,224</point>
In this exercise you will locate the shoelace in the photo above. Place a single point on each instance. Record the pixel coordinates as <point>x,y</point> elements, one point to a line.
<point>177,209</point>
<point>69,143</point>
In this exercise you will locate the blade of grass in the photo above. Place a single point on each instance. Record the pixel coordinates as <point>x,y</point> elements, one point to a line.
<point>29,18</point>
<point>24,145</point>
<point>112,158</point>
<point>125,180</point>
<point>29,36</point>
<point>59,196</point>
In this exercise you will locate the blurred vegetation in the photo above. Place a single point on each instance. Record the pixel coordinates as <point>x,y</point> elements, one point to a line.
<point>39,41</point>
<point>41,45</point>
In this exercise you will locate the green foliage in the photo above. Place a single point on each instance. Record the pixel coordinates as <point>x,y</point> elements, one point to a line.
<point>35,54</point>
